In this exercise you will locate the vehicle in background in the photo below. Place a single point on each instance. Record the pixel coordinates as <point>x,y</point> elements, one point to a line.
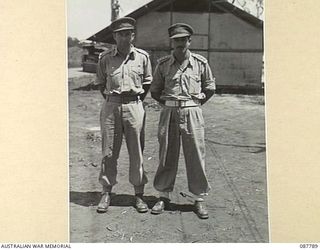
<point>90,59</point>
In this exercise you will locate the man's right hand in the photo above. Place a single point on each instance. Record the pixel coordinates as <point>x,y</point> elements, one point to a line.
<point>156,96</point>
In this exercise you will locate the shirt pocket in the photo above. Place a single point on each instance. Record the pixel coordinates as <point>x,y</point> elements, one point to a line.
<point>194,84</point>
<point>114,81</point>
<point>172,84</point>
<point>136,74</point>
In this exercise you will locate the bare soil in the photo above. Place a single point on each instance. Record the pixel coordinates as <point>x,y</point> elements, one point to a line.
<point>236,168</point>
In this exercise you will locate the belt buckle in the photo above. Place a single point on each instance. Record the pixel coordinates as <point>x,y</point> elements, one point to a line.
<point>183,104</point>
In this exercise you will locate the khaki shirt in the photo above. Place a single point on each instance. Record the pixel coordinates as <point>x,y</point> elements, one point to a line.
<point>124,76</point>
<point>176,83</point>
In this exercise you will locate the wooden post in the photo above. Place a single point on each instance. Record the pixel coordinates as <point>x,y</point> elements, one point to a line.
<point>115,6</point>
<point>171,20</point>
<point>209,33</point>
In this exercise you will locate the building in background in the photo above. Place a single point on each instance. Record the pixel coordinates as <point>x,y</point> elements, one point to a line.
<point>90,59</point>
<point>229,37</point>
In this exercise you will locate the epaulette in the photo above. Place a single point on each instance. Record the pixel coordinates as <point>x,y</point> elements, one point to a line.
<point>141,51</point>
<point>163,59</point>
<point>200,58</point>
<point>102,54</point>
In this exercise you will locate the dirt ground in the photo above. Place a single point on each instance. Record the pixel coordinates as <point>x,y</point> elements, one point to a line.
<point>236,168</point>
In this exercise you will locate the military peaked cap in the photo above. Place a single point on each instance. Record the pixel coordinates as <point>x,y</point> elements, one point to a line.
<point>124,23</point>
<point>180,30</point>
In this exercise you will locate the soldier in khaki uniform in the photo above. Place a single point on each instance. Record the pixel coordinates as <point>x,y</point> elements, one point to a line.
<point>182,82</point>
<point>124,75</point>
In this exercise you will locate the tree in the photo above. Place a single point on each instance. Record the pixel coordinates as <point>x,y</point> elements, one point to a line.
<point>73,42</point>
<point>254,7</point>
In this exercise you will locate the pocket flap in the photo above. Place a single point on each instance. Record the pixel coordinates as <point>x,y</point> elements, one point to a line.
<point>116,72</point>
<point>195,78</point>
<point>137,70</point>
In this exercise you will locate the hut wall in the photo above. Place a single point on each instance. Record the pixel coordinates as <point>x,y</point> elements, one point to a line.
<point>199,42</point>
<point>236,51</point>
<point>198,21</point>
<point>230,32</point>
<point>155,55</point>
<point>152,30</point>
<point>238,69</point>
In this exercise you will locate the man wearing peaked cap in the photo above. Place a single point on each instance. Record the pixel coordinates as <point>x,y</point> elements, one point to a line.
<point>124,23</point>
<point>124,74</point>
<point>180,30</point>
<point>182,82</point>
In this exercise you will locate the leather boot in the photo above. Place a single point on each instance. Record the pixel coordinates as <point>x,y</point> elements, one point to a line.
<point>159,207</point>
<point>201,210</point>
<point>104,203</point>
<point>140,205</point>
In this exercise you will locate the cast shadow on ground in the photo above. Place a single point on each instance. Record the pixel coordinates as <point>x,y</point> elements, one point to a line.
<point>259,149</point>
<point>88,199</point>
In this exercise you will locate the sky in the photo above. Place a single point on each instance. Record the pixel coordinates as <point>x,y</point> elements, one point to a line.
<point>87,17</point>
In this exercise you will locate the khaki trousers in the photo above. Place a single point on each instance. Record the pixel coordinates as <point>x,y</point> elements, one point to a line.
<point>116,120</point>
<point>186,124</point>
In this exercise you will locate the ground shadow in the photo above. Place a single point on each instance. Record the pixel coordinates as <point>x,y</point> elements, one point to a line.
<point>260,149</point>
<point>180,207</point>
<point>87,199</point>
<point>88,87</point>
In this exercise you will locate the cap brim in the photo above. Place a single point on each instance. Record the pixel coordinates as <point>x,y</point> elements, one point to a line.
<point>124,28</point>
<point>179,35</point>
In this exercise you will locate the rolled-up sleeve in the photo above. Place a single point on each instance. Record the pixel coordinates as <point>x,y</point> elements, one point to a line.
<point>147,72</point>
<point>208,80</point>
<point>157,84</point>
<point>101,77</point>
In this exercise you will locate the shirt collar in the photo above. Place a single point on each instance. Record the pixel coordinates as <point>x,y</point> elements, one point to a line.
<point>131,53</point>
<point>191,59</point>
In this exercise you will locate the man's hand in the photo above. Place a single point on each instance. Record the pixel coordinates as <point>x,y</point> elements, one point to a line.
<point>146,88</point>
<point>209,94</point>
<point>156,96</point>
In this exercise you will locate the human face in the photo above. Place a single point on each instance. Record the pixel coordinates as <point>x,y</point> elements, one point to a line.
<point>123,38</point>
<point>181,44</point>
